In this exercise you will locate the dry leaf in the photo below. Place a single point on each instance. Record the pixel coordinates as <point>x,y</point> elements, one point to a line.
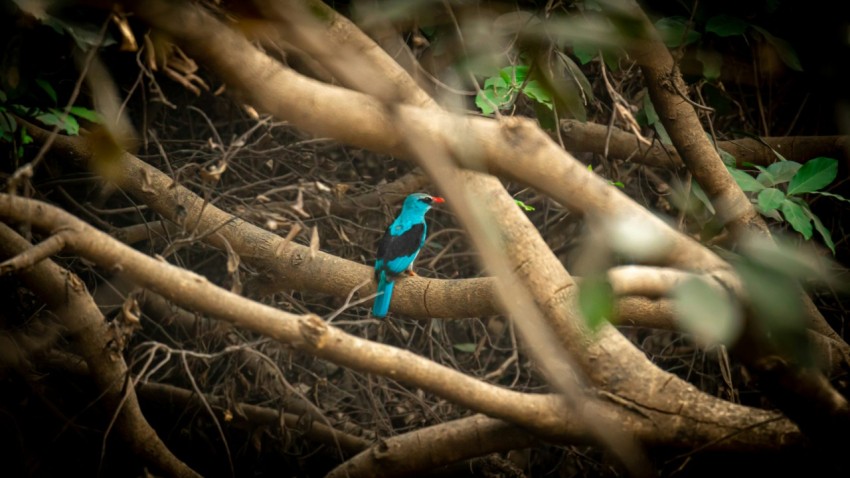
<point>314,242</point>
<point>299,204</point>
<point>296,228</point>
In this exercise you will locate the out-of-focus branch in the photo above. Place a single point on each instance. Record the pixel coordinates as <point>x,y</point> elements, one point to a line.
<point>513,148</point>
<point>303,24</point>
<point>792,386</point>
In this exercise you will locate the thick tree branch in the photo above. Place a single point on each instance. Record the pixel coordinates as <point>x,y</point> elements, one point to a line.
<point>512,148</point>
<point>736,426</point>
<point>416,297</point>
<point>95,342</point>
<point>285,265</point>
<point>665,85</point>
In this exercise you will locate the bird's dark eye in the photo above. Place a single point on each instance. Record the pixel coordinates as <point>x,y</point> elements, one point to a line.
<point>427,199</point>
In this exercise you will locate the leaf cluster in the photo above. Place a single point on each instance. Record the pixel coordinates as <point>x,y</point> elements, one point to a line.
<point>778,192</point>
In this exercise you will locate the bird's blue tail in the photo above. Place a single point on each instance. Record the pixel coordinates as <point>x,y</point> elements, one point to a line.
<point>382,301</point>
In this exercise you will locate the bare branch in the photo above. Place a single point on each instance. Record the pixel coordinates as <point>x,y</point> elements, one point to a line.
<point>50,246</point>
<point>432,447</point>
<point>542,414</point>
<point>91,335</point>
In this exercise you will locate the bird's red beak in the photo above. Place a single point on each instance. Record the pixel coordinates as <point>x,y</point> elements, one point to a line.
<point>438,199</point>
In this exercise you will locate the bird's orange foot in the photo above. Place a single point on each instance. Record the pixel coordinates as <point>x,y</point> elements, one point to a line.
<point>410,273</point>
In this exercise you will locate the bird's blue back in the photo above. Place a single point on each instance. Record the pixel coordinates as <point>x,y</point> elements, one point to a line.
<point>404,237</point>
<point>399,247</point>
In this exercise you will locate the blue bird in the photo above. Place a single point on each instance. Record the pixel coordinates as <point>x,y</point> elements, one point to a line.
<point>399,247</point>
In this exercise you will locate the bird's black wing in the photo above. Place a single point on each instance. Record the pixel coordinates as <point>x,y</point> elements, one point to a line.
<point>406,244</point>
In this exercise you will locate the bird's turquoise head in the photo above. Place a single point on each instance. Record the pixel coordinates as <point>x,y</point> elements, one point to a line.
<point>420,203</point>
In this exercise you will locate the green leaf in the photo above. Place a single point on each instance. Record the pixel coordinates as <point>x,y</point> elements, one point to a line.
<point>783,171</point>
<point>86,35</point>
<point>467,347</point>
<point>727,158</point>
<point>497,99</point>
<point>726,26</point>
<point>72,127</point>
<point>770,199</point>
<point>612,58</point>
<point>54,118</point>
<point>707,312</point>
<point>783,49</point>
<point>534,90</point>
<point>545,116</point>
<point>48,88</point>
<point>697,191</point>
<point>3,97</point>
<point>776,299</point>
<point>523,205</point>
<point>514,75</point>
<point>570,89</point>
<point>653,120</point>
<point>662,133</point>
<point>649,110</point>
<point>672,30</point>
<point>7,123</point>
<point>578,75</point>
<point>814,175</point>
<point>495,83</point>
<point>25,137</point>
<point>85,114</point>
<point>822,230</point>
<point>712,61</point>
<point>49,119</point>
<point>764,176</point>
<point>834,196</point>
<point>585,52</point>
<point>798,219</point>
<point>746,182</point>
<point>596,301</point>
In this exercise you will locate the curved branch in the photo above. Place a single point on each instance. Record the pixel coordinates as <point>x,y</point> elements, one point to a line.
<point>707,421</point>
<point>286,265</point>
<point>663,79</point>
<point>91,335</point>
<point>514,148</point>
<point>34,254</point>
